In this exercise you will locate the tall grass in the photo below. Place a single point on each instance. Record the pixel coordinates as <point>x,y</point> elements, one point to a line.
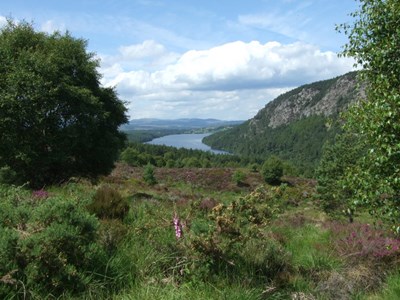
<point>289,255</point>
<point>389,291</point>
<point>310,248</point>
<point>192,292</point>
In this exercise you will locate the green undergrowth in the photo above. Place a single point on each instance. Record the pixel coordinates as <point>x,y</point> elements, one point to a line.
<point>178,239</point>
<point>196,292</point>
<point>390,290</point>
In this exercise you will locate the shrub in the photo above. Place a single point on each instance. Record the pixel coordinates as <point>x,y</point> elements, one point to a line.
<point>254,167</point>
<point>8,265</point>
<point>111,234</point>
<point>219,244</point>
<point>148,175</point>
<point>362,241</point>
<point>108,203</point>
<point>7,175</point>
<point>207,204</point>
<point>59,247</point>
<point>272,170</point>
<point>48,246</point>
<point>238,177</point>
<point>131,156</point>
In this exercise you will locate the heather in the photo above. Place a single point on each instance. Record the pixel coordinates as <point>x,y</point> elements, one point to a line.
<point>165,223</point>
<point>195,233</point>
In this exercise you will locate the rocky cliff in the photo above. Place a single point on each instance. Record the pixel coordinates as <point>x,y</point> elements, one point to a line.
<point>294,125</point>
<point>324,98</point>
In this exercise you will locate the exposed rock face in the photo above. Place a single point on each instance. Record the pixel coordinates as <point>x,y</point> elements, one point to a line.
<point>295,125</point>
<point>293,108</point>
<point>321,98</point>
<point>330,103</point>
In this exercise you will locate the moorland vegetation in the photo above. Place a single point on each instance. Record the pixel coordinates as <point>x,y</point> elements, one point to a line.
<point>180,224</point>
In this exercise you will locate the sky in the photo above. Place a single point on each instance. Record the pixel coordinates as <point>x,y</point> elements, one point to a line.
<point>223,59</point>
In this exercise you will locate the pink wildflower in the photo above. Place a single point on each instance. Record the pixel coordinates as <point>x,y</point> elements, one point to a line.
<point>177,226</point>
<point>41,194</point>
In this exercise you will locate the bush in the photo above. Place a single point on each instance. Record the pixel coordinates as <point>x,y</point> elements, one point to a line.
<point>226,241</point>
<point>48,246</point>
<point>7,176</point>
<point>8,265</point>
<point>272,170</point>
<point>361,241</point>
<point>148,175</point>
<point>108,203</point>
<point>254,167</point>
<point>131,156</point>
<point>111,234</point>
<point>238,177</point>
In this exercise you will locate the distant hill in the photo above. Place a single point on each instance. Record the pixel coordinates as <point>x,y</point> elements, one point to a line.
<point>295,125</point>
<point>185,124</point>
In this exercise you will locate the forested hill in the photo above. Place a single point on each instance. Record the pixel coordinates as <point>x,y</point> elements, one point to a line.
<point>185,124</point>
<point>295,125</point>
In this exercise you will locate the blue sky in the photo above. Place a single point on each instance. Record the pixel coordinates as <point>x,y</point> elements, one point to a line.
<point>209,59</point>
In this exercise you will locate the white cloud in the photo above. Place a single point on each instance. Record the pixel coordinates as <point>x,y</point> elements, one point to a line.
<point>148,55</point>
<point>227,105</point>
<point>148,48</point>
<point>238,77</point>
<point>50,26</point>
<point>3,21</point>
<point>237,66</point>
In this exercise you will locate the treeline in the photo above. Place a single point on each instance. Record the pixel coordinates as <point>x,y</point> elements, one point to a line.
<point>300,142</point>
<point>143,136</point>
<point>137,154</point>
<point>301,139</point>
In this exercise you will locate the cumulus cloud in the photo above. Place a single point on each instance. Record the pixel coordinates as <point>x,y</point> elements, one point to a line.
<point>148,56</point>
<point>226,105</point>
<point>239,77</point>
<point>238,66</point>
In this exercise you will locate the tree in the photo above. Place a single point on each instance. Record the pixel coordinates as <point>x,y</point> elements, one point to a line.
<point>338,159</point>
<point>56,121</point>
<point>374,42</point>
<point>131,156</point>
<point>272,170</point>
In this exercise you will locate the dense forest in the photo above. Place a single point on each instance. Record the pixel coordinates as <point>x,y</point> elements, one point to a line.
<point>299,143</point>
<point>309,124</point>
<point>87,215</point>
<point>142,136</point>
<point>137,155</point>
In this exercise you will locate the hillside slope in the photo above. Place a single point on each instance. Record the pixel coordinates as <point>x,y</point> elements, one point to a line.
<point>185,124</point>
<point>295,125</point>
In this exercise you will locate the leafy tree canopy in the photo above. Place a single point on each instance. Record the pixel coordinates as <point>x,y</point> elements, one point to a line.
<point>374,41</point>
<point>56,121</point>
<point>272,170</point>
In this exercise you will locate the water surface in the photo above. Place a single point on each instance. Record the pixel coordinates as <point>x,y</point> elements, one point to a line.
<point>189,141</point>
